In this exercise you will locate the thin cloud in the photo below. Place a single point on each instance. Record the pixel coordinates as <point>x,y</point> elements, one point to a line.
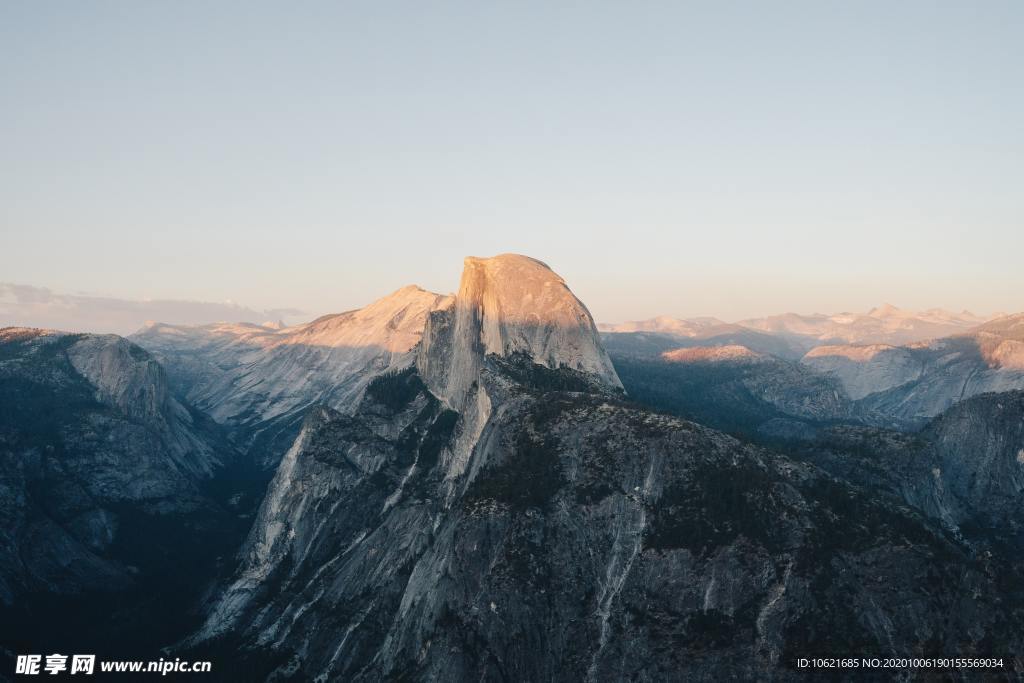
<point>28,306</point>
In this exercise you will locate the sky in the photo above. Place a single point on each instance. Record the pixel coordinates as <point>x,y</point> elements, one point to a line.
<point>733,159</point>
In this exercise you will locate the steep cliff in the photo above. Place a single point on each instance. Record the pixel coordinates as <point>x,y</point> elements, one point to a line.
<point>965,469</point>
<point>105,482</point>
<point>979,448</point>
<point>509,305</point>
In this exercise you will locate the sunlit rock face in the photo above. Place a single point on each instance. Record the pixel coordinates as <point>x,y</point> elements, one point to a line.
<point>509,308</point>
<point>865,370</point>
<point>1002,342</point>
<point>732,353</point>
<point>497,512</point>
<point>510,305</point>
<point>260,380</point>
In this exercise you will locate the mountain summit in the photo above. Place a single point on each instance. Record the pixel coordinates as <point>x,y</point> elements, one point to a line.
<point>510,305</point>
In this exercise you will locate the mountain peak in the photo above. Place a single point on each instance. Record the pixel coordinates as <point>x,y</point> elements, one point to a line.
<point>511,304</point>
<point>518,289</point>
<point>525,307</point>
<point>508,259</point>
<point>884,311</point>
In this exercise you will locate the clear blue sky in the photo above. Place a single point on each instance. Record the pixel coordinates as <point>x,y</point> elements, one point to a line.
<point>719,158</point>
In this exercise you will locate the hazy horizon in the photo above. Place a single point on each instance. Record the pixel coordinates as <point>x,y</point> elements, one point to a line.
<point>727,160</point>
<point>31,306</point>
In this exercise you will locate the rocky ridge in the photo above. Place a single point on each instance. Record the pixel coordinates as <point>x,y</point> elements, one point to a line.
<point>885,324</point>
<point>260,380</point>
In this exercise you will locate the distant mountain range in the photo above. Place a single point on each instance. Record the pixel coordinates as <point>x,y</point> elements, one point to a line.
<point>28,306</point>
<point>931,360</point>
<point>917,381</point>
<point>886,324</point>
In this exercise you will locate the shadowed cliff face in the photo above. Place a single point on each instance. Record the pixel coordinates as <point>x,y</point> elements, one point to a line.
<point>964,470</point>
<point>979,448</point>
<point>492,514</point>
<point>105,486</point>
